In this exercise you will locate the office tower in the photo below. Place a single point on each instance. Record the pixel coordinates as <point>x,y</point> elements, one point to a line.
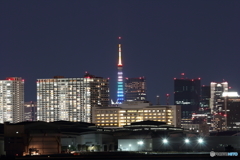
<point>216,104</point>
<point>120,96</point>
<point>11,100</point>
<point>216,92</point>
<point>135,89</point>
<point>205,97</point>
<point>70,99</point>
<point>233,111</point>
<point>136,111</point>
<point>227,115</point>
<point>187,94</point>
<point>30,111</point>
<point>205,103</point>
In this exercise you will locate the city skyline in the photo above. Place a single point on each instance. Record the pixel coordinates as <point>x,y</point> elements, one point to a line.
<point>160,40</point>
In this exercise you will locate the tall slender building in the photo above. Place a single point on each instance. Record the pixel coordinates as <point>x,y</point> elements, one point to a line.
<point>216,104</point>
<point>216,92</point>
<point>12,100</point>
<point>70,99</point>
<point>120,94</point>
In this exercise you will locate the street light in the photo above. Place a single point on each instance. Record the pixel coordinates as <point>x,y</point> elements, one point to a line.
<point>140,143</point>
<point>165,141</point>
<point>200,140</point>
<point>130,146</point>
<point>186,141</point>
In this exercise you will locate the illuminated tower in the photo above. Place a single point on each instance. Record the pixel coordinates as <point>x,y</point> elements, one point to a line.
<point>120,98</point>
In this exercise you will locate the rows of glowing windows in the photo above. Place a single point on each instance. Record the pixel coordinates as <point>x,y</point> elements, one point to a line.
<point>126,116</point>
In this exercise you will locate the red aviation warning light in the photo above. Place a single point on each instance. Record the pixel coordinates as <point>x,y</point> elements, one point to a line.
<point>119,37</point>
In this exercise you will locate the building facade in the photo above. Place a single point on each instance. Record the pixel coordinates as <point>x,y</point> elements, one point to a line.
<point>217,90</point>
<point>30,111</point>
<point>233,114</point>
<point>12,100</point>
<point>187,93</point>
<point>217,104</point>
<point>70,99</point>
<point>205,97</point>
<point>136,111</point>
<point>135,89</point>
<point>227,116</point>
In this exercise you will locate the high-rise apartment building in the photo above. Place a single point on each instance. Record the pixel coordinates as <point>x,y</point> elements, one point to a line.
<point>70,99</point>
<point>12,100</point>
<point>187,93</point>
<point>135,89</point>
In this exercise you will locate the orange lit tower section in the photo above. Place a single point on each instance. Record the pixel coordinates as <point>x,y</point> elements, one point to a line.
<point>120,96</point>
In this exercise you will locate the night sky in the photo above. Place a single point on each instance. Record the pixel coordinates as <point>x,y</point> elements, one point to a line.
<point>160,40</point>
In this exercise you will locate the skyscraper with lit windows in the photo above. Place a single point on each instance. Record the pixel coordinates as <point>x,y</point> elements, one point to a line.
<point>187,93</point>
<point>135,89</point>
<point>12,100</point>
<point>70,99</point>
<point>120,90</point>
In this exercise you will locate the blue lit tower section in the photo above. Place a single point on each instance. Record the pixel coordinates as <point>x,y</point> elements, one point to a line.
<point>120,98</point>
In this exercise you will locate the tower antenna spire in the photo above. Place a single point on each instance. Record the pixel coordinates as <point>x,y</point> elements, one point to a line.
<point>119,52</point>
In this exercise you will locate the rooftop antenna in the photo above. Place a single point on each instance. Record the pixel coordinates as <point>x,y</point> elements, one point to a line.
<point>182,75</point>
<point>167,98</point>
<point>158,99</point>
